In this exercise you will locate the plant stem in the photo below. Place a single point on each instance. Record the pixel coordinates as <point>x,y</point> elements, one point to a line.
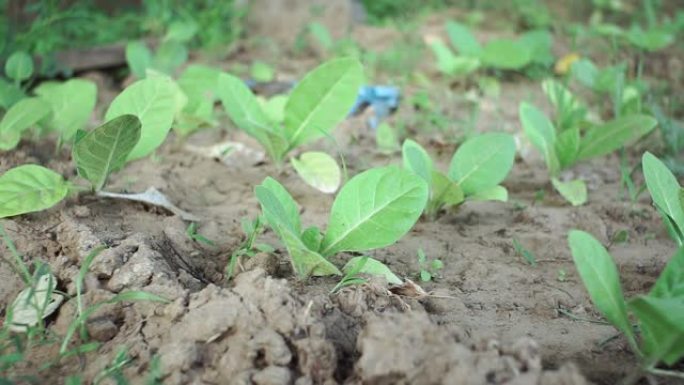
<point>665,373</point>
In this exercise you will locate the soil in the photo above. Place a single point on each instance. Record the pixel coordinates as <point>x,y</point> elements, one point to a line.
<point>488,318</point>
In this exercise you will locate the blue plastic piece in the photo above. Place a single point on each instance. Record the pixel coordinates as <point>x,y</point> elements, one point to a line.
<point>383,99</point>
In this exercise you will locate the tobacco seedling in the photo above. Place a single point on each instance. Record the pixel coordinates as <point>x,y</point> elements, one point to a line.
<point>428,268</point>
<point>531,48</point>
<point>572,139</point>
<point>249,247</point>
<point>98,153</point>
<point>63,108</point>
<point>170,54</point>
<point>660,313</point>
<point>320,101</point>
<point>667,195</point>
<point>18,70</point>
<point>476,169</point>
<point>373,210</point>
<point>357,267</point>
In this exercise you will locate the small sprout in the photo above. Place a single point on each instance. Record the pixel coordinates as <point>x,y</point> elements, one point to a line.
<point>192,233</point>
<point>428,269</point>
<point>526,254</point>
<point>562,275</point>
<point>621,236</point>
<point>352,276</point>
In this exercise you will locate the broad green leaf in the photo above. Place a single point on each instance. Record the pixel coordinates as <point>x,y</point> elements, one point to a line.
<point>170,55</point>
<point>386,139</point>
<point>312,237</point>
<point>462,39</point>
<point>199,85</point>
<point>445,192</point>
<point>138,58</point>
<point>670,283</point>
<point>600,277</point>
<point>539,43</point>
<point>244,110</point>
<point>574,191</point>
<point>373,267</point>
<point>319,170</point>
<point>505,54</point>
<point>559,96</point>
<point>450,64</point>
<point>661,321</point>
<point>664,188</point>
<point>374,209</point>
<point>540,131</point>
<point>181,31</point>
<point>652,40</point>
<point>289,215</point>
<point>262,72</point>
<point>274,108</point>
<point>608,137</point>
<point>482,162</point>
<point>585,72</point>
<point>72,103</point>
<point>566,147</point>
<point>35,303</point>
<point>21,116</point>
<point>321,34</point>
<point>322,100</point>
<point>9,94</point>
<point>105,149</point>
<point>154,102</point>
<point>277,206</point>
<point>496,193</point>
<point>30,188</point>
<point>416,159</point>
<point>19,66</point>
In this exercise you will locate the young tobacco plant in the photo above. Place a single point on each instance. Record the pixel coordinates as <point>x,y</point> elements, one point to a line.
<point>475,171</point>
<point>137,123</point>
<point>572,139</point>
<point>667,195</point>
<point>320,101</point>
<point>374,209</point>
<point>660,313</point>
<point>170,54</point>
<point>532,48</point>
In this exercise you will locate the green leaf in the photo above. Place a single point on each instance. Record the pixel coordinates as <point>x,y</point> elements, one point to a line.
<point>279,208</point>
<point>652,40</point>
<point>462,39</point>
<point>274,108</point>
<point>9,94</point>
<point>450,64</point>
<point>417,160</point>
<point>170,55</point>
<point>496,193</point>
<point>670,283</point>
<point>181,31</point>
<point>482,162</point>
<point>319,170</point>
<point>608,137</point>
<point>19,66</point>
<point>284,209</point>
<point>567,146</point>
<point>374,209</point>
<point>34,303</point>
<point>661,321</point>
<point>386,139</point>
<point>322,100</point>
<point>138,58</point>
<point>262,72</point>
<point>21,116</point>
<point>199,85</point>
<point>574,191</point>
<point>445,192</point>
<point>600,276</point>
<point>312,238</point>
<point>373,267</point>
<point>540,131</point>
<point>154,102</point>
<point>539,43</point>
<point>105,149</point>
<point>72,103</point>
<point>244,110</point>
<point>585,72</point>
<point>505,54</point>
<point>664,189</point>
<point>30,188</point>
